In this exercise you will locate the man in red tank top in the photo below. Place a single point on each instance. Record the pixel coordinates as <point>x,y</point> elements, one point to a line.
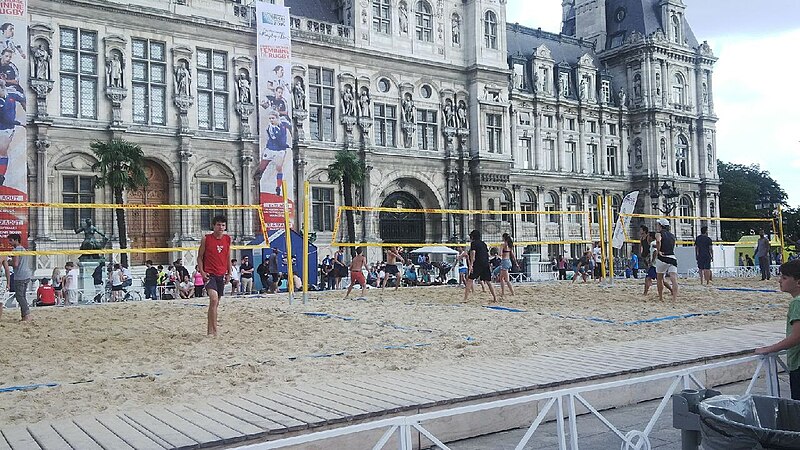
<point>214,264</point>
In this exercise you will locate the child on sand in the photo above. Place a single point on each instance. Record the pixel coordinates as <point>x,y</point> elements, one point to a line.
<point>789,282</point>
<point>358,263</point>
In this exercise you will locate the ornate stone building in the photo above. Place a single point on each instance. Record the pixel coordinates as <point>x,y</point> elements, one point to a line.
<point>464,110</point>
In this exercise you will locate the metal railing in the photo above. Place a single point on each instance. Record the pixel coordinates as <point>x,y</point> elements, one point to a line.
<point>565,402</point>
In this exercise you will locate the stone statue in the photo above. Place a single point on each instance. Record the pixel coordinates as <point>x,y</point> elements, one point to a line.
<point>348,107</point>
<point>41,63</point>
<point>183,79</point>
<point>364,103</point>
<point>409,109</point>
<point>584,90</point>
<point>114,72</point>
<point>622,97</point>
<point>243,89</point>
<point>299,95</point>
<point>637,86</point>
<point>535,81</point>
<point>89,241</point>
<point>663,153</point>
<point>710,155</point>
<point>456,30</point>
<point>461,114</point>
<point>638,155</point>
<point>705,94</point>
<point>403,16</point>
<point>449,114</point>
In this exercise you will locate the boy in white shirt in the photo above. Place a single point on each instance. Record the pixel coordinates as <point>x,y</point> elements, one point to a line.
<point>234,277</point>
<point>71,284</point>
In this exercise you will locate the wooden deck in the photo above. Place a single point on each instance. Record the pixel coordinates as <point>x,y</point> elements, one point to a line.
<point>272,414</point>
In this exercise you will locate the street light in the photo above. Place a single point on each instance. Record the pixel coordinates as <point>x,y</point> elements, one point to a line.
<point>454,201</point>
<point>669,193</point>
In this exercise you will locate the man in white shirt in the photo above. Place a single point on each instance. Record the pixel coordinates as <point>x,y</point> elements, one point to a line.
<point>234,277</point>
<point>597,258</point>
<point>71,284</point>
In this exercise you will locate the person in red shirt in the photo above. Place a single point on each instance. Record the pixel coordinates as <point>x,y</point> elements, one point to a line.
<point>214,264</point>
<point>46,294</point>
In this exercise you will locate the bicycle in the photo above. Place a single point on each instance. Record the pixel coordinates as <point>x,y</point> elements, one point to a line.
<point>129,294</point>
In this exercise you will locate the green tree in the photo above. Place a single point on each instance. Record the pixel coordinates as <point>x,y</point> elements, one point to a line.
<point>791,229</point>
<point>741,189</point>
<point>121,167</point>
<point>349,170</point>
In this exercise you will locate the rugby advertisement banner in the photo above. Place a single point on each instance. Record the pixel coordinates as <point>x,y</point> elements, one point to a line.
<point>274,113</point>
<point>14,64</point>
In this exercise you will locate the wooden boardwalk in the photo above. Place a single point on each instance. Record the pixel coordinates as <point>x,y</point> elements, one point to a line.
<point>272,414</point>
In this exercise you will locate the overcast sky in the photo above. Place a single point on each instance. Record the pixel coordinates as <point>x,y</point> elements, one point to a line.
<point>756,80</point>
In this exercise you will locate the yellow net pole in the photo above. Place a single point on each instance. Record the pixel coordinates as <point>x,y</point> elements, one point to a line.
<point>306,204</point>
<point>288,233</point>
<point>601,219</point>
<point>335,239</point>
<point>609,234</point>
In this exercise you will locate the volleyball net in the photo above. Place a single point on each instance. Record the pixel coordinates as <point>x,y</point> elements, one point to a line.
<point>94,229</point>
<point>389,227</point>
<point>686,228</point>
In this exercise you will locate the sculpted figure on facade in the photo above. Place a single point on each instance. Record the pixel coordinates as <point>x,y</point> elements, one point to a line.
<point>456,30</point>
<point>710,154</point>
<point>622,97</point>
<point>449,114</point>
<point>299,94</point>
<point>348,99</point>
<point>536,86</point>
<point>114,72</point>
<point>638,154</point>
<point>183,78</point>
<point>403,17</point>
<point>584,89</point>
<point>409,109</point>
<point>41,63</point>
<point>243,88</point>
<point>663,152</point>
<point>365,103</point>
<point>461,114</point>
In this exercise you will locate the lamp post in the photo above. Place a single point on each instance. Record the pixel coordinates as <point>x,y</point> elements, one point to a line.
<point>454,200</point>
<point>669,193</point>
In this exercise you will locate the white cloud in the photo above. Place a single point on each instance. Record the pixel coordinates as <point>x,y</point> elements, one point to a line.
<point>535,14</point>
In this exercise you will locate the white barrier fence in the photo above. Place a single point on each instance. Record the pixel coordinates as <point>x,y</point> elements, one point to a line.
<point>567,426</point>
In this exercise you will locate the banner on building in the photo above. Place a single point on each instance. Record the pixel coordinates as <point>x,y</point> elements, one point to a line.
<point>14,63</point>
<point>624,222</point>
<point>274,111</point>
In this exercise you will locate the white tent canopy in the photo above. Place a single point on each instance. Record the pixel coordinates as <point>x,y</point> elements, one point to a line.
<point>436,250</point>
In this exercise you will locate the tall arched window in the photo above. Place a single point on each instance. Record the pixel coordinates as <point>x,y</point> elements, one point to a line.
<point>616,204</point>
<point>490,29</point>
<point>594,216</point>
<point>574,203</point>
<point>490,207</point>
<point>381,16</point>
<point>682,156</point>
<point>505,205</point>
<point>424,16</point>
<point>528,204</point>
<point>678,84</point>
<point>686,209</point>
<point>551,204</point>
<point>676,29</point>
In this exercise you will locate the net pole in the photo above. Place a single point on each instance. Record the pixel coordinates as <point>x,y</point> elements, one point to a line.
<point>335,238</point>
<point>610,218</point>
<point>306,203</point>
<point>784,253</point>
<point>288,234</point>
<point>601,219</point>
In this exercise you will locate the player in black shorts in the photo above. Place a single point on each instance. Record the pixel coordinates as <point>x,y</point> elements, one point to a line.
<point>478,264</point>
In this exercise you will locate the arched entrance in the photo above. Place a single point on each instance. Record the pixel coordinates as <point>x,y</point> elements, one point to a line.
<point>149,228</point>
<point>402,227</point>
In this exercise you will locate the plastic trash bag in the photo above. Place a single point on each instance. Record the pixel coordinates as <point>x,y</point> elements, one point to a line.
<point>750,423</point>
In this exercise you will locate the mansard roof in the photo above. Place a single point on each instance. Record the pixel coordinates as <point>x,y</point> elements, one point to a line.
<point>321,10</point>
<point>522,41</point>
<point>642,16</point>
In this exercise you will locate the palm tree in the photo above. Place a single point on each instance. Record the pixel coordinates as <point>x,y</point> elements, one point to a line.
<point>121,167</point>
<point>348,169</point>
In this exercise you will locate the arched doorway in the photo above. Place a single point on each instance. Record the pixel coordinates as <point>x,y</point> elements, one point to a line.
<point>149,228</point>
<point>402,227</point>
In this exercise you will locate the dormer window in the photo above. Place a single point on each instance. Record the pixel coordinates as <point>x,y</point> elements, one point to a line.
<point>676,29</point>
<point>605,91</point>
<point>490,29</point>
<point>563,80</point>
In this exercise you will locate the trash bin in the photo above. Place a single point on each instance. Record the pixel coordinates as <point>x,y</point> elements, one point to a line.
<point>751,422</point>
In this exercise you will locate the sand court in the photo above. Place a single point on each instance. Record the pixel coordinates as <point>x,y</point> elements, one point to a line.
<point>127,355</point>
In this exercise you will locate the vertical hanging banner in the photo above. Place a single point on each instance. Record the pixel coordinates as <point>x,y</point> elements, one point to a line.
<point>274,113</point>
<point>623,223</point>
<point>13,140</point>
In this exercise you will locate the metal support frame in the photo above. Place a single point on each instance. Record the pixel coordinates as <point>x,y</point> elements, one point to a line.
<point>402,427</point>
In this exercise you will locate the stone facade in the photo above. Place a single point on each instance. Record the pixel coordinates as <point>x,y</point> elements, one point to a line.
<point>466,111</point>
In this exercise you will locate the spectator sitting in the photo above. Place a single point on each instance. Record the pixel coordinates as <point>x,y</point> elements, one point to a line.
<point>46,294</point>
<point>128,275</point>
<point>494,263</point>
<point>410,275</point>
<point>186,288</point>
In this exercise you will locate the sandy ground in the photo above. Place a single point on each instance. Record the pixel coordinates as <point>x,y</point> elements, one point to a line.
<point>265,342</point>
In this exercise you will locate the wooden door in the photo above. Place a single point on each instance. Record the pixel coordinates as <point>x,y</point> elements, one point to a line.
<point>150,228</point>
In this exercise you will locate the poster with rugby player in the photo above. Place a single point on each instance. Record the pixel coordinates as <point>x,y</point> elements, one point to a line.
<point>274,112</point>
<point>14,63</point>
